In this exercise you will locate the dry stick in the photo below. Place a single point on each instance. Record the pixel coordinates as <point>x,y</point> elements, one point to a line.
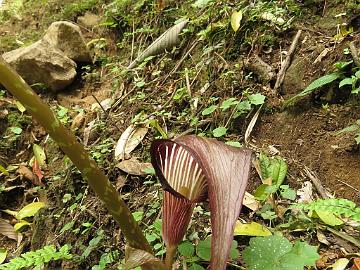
<point>319,187</point>
<point>105,112</point>
<point>286,64</point>
<point>354,54</point>
<point>180,62</point>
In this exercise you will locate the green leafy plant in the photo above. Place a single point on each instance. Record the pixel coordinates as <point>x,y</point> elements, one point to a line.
<point>277,253</point>
<point>272,172</point>
<point>355,128</point>
<point>338,207</point>
<point>38,257</point>
<point>329,78</point>
<point>194,255</point>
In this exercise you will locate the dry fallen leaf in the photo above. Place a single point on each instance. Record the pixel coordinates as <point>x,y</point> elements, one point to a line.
<point>133,166</point>
<point>250,202</point>
<point>8,230</point>
<point>137,257</point>
<point>128,141</point>
<point>27,173</point>
<point>356,265</point>
<point>236,18</point>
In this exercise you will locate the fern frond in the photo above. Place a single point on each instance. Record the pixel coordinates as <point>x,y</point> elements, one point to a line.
<point>38,257</point>
<point>340,207</point>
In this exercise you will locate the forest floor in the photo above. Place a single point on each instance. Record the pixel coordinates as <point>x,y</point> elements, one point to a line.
<point>209,85</point>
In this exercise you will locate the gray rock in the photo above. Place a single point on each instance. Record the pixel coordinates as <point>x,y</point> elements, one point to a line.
<point>42,63</point>
<point>67,37</point>
<point>89,20</point>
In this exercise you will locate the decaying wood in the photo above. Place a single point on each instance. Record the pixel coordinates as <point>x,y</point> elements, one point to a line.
<point>262,70</point>
<point>286,64</point>
<point>319,187</point>
<point>354,53</point>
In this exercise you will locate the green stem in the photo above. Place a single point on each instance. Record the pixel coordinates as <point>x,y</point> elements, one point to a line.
<point>78,155</point>
<point>170,253</point>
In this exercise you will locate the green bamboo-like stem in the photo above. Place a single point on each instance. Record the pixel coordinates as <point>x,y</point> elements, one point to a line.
<point>78,155</point>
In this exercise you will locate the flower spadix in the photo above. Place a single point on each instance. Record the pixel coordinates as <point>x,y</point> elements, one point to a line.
<point>191,169</point>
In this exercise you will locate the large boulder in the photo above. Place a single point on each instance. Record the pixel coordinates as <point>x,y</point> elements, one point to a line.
<point>42,63</point>
<point>67,37</point>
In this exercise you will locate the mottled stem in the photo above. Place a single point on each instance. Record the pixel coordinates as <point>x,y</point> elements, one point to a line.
<point>78,155</point>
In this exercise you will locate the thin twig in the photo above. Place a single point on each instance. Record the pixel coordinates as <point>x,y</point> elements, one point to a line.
<point>132,42</point>
<point>319,187</point>
<point>180,62</point>
<point>286,64</point>
<point>105,112</point>
<point>354,54</point>
<point>348,185</point>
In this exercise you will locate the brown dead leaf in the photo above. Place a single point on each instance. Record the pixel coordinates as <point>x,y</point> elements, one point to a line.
<point>133,166</point>
<point>8,230</point>
<point>137,257</point>
<point>120,182</point>
<point>78,121</point>
<point>356,265</point>
<point>37,171</point>
<point>27,173</point>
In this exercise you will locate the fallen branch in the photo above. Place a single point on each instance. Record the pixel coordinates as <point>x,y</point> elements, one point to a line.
<point>354,54</point>
<point>286,64</point>
<point>319,187</point>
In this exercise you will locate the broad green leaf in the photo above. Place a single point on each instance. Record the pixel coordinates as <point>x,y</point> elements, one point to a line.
<point>252,229</point>
<point>346,81</point>
<point>236,18</point>
<point>209,110</point>
<point>20,107</point>
<point>357,74</point>
<point>219,132</point>
<point>355,91</point>
<point>30,210</point>
<point>244,106</point>
<point>342,64</point>
<point>264,253</point>
<point>3,254</point>
<point>288,193</point>
<point>261,193</point>
<point>351,128</point>
<point>21,224</point>
<point>234,252</point>
<point>3,170</point>
<point>186,249</point>
<point>16,130</point>
<point>329,218</point>
<point>329,78</point>
<point>281,174</point>
<point>264,162</point>
<point>39,155</point>
<point>301,255</point>
<point>234,144</point>
<point>226,104</point>
<point>196,267</point>
<point>257,99</point>
<point>138,215</point>
<point>203,249</point>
